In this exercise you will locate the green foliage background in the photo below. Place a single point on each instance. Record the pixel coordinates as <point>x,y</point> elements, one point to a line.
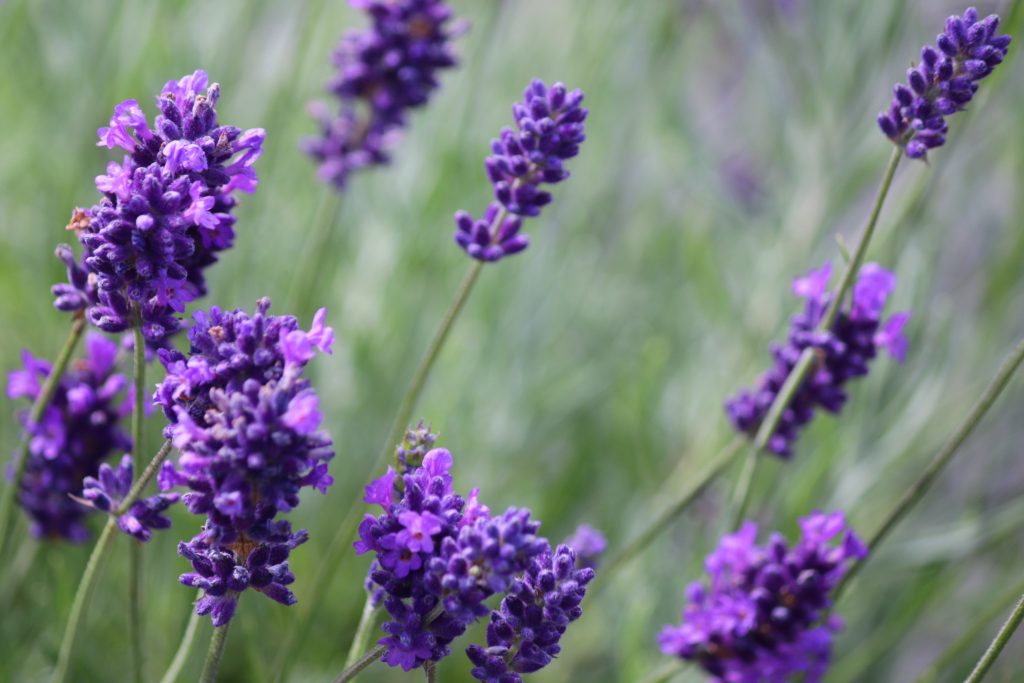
<point>587,375</point>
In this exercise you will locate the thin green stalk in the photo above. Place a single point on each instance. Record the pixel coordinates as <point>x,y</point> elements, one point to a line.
<point>34,415</point>
<point>89,576</point>
<point>956,649</point>
<point>366,623</point>
<point>941,459</point>
<point>741,496</point>
<point>347,529</point>
<point>803,367</point>
<point>310,262</point>
<point>430,671</point>
<point>82,597</point>
<point>181,656</point>
<point>135,625</point>
<point>369,658</point>
<point>717,466</point>
<point>995,648</point>
<point>213,655</point>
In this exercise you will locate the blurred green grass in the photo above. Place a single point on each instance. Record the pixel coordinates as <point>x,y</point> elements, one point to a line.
<point>584,369</point>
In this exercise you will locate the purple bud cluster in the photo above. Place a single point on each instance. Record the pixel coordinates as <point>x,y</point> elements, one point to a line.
<point>247,424</point>
<point>523,636</point>
<point>165,212</point>
<point>106,491</point>
<point>549,130</point>
<point>383,72</point>
<point>79,429</point>
<point>943,83</point>
<point>843,353</point>
<point>756,620</point>
<point>439,558</point>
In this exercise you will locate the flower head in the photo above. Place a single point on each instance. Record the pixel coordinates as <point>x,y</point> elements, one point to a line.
<point>78,430</point>
<point>549,131</point>
<point>943,83</point>
<point>247,424</point>
<point>165,213</point>
<point>382,73</point>
<point>844,353</point>
<point>756,619</point>
<point>106,491</point>
<point>589,544</point>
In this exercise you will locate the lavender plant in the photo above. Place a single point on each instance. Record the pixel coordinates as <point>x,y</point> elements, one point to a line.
<point>757,619</point>
<point>247,424</point>
<point>383,72</point>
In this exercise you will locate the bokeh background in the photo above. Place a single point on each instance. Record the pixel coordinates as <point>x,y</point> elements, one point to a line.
<point>729,142</point>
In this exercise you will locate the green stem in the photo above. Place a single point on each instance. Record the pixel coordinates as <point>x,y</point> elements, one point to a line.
<point>941,459</point>
<point>213,655</point>
<point>717,466</point>
<point>311,260</point>
<point>803,367</point>
<point>362,637</point>
<point>430,670</point>
<point>369,658</point>
<point>181,656</point>
<point>82,597</point>
<point>89,576</point>
<point>35,414</point>
<point>347,529</point>
<point>741,496</point>
<point>956,649</point>
<point>135,626</point>
<point>995,648</point>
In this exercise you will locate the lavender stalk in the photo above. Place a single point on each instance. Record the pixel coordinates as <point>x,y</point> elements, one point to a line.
<point>135,624</point>
<point>181,655</point>
<point>88,581</point>
<point>995,648</point>
<point>917,491</point>
<point>35,414</point>
<point>213,656</point>
<point>366,660</point>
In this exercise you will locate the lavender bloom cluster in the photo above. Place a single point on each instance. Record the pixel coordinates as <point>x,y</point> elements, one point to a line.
<point>943,83</point>
<point>549,130</point>
<point>756,620</point>
<point>106,491</point>
<point>79,429</point>
<point>589,544</point>
<point>439,558</point>
<point>383,72</point>
<point>844,353</point>
<point>247,424</point>
<point>165,214</point>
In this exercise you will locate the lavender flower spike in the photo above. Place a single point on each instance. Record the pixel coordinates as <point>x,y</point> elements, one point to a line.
<point>844,353</point>
<point>549,130</point>
<point>943,83</point>
<point>79,429</point>
<point>383,72</point>
<point>247,424</point>
<point>589,544</point>
<point>105,492</point>
<point>756,619</point>
<point>165,213</point>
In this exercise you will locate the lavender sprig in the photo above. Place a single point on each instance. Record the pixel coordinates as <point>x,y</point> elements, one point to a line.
<point>943,83</point>
<point>106,492</point>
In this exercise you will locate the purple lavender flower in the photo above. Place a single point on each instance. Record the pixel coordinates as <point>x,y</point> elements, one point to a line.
<point>523,635</point>
<point>589,545</point>
<point>549,130</point>
<point>437,558</point>
<point>756,620</point>
<point>107,490</point>
<point>79,429</point>
<point>165,213</point>
<point>247,424</point>
<point>383,72</point>
<point>943,83</point>
<point>844,353</point>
